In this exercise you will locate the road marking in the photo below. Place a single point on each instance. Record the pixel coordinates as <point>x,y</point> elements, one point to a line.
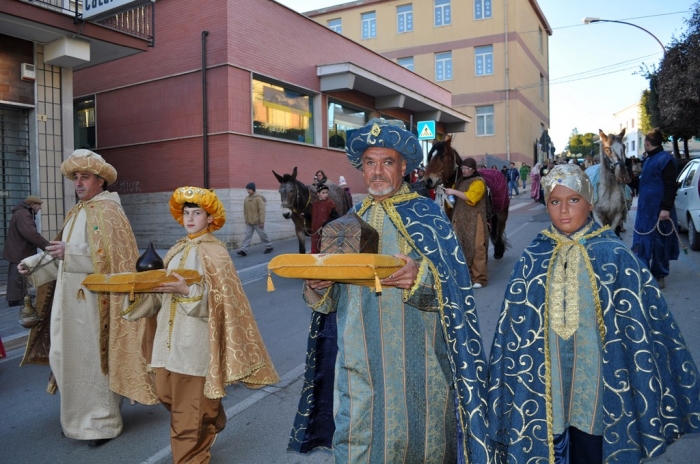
<point>289,378</point>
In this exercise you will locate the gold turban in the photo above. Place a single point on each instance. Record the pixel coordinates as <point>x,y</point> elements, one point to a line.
<point>205,198</point>
<point>570,176</point>
<point>88,161</point>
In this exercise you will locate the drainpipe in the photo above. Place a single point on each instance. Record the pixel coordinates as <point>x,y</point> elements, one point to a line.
<point>205,119</point>
<point>507,77</point>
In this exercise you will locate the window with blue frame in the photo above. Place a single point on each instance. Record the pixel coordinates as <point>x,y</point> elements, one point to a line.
<point>443,13</point>
<point>483,60</point>
<point>406,62</point>
<point>404,18</point>
<point>484,120</point>
<point>369,25</point>
<point>443,66</point>
<point>336,25</point>
<point>482,9</point>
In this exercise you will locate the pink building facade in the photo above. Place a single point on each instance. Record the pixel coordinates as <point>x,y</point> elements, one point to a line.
<point>281,90</point>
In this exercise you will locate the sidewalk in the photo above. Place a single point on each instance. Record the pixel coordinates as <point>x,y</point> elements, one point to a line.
<point>251,267</point>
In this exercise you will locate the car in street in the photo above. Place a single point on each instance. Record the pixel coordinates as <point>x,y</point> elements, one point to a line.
<point>688,202</point>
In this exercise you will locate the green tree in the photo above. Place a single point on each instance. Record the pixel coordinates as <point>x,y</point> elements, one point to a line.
<point>582,144</point>
<point>677,84</point>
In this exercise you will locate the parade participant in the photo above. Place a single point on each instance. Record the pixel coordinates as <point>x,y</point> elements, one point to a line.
<point>409,375</point>
<point>587,364</point>
<point>322,211</point>
<point>654,241</point>
<point>470,221</point>
<point>21,241</point>
<point>206,336</point>
<point>95,355</point>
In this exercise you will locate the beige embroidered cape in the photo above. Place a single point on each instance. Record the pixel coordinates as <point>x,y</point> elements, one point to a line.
<point>237,351</point>
<point>99,239</point>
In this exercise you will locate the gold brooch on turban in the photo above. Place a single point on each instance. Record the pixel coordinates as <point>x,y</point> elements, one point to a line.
<point>205,199</point>
<point>88,161</point>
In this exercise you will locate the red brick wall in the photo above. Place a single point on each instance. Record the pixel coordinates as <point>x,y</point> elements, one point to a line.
<point>149,106</point>
<point>14,52</point>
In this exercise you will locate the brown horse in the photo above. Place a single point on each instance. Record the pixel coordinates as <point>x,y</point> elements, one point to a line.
<point>296,201</point>
<point>443,170</point>
<point>610,208</point>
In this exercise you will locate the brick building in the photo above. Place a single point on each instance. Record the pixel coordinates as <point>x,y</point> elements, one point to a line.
<point>281,90</point>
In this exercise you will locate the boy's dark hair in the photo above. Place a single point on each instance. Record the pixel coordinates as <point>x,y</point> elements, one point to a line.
<point>321,187</point>
<point>191,205</point>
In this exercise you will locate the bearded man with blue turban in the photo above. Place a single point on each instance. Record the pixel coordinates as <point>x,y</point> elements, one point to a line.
<point>410,372</point>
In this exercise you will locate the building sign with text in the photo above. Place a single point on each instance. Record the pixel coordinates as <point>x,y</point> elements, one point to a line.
<point>92,9</point>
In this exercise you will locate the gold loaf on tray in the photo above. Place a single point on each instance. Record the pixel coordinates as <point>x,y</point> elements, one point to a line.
<point>348,268</point>
<point>136,282</point>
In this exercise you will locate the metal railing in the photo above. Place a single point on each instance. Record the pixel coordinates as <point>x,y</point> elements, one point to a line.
<point>137,22</point>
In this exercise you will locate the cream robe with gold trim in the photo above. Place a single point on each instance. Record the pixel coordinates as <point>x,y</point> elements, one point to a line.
<point>95,355</point>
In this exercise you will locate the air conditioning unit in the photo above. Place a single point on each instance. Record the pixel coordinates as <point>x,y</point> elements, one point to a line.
<point>28,72</point>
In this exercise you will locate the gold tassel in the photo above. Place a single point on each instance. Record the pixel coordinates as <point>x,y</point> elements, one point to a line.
<point>81,294</point>
<point>270,286</point>
<point>131,295</point>
<point>377,284</point>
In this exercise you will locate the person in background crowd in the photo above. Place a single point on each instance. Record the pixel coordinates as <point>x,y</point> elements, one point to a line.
<point>513,176</point>
<point>409,375</point>
<point>322,211</point>
<point>320,178</point>
<point>95,355</point>
<point>342,183</point>
<point>535,181</point>
<point>470,221</point>
<point>524,172</point>
<point>654,241</point>
<point>254,216</point>
<point>22,241</point>
<point>587,365</point>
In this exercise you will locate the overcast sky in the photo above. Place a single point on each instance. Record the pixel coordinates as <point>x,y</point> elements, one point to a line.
<point>593,69</point>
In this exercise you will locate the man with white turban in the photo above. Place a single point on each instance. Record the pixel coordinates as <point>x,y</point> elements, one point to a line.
<point>95,354</point>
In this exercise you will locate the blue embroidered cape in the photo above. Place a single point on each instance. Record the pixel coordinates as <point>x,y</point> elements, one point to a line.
<point>651,389</point>
<point>430,235</point>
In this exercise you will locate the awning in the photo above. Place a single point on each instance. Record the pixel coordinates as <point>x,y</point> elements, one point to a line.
<point>387,94</point>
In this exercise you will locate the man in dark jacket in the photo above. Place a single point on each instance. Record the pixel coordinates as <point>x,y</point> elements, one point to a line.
<point>22,241</point>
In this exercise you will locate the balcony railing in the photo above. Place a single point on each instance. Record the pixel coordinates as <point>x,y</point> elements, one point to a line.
<point>139,21</point>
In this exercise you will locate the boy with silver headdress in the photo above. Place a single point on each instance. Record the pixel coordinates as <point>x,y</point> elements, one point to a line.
<point>587,363</point>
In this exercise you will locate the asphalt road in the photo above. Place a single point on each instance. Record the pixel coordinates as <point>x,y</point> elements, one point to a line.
<point>260,420</point>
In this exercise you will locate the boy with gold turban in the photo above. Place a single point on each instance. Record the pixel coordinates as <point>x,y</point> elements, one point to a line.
<point>206,335</point>
<point>587,364</point>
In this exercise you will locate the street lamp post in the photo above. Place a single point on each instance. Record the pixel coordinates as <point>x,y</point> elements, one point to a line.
<point>589,20</point>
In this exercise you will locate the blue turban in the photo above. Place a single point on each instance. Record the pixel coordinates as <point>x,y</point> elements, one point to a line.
<point>381,133</point>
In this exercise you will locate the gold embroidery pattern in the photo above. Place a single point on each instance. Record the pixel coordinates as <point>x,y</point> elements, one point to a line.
<point>562,273</point>
<point>404,194</point>
<point>237,351</point>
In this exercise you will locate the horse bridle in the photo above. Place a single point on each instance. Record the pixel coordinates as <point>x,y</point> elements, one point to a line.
<point>296,196</point>
<point>610,164</point>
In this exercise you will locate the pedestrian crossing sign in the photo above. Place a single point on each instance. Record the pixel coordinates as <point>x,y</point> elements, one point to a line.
<point>426,130</point>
